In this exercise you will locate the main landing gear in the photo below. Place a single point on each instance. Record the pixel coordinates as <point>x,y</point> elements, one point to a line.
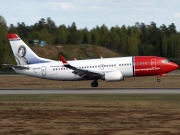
<point>94,83</point>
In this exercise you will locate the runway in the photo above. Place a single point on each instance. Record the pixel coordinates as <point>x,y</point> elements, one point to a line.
<point>89,91</point>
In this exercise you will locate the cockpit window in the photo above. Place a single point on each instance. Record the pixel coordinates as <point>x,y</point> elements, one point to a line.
<point>165,61</point>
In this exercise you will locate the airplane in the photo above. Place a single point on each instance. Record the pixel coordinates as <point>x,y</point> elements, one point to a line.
<point>108,69</point>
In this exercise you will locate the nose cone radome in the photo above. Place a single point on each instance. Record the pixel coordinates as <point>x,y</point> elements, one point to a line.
<point>173,66</point>
<point>170,66</point>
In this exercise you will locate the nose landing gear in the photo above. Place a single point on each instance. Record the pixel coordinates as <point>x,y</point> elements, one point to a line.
<point>158,77</point>
<point>94,83</point>
<point>158,80</point>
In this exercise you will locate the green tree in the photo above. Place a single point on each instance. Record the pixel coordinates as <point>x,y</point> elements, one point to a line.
<point>132,46</point>
<point>172,29</point>
<point>84,36</point>
<point>73,37</point>
<point>114,39</point>
<point>61,35</point>
<point>170,46</point>
<point>51,26</point>
<point>5,49</point>
<point>95,37</point>
<point>12,29</point>
<point>104,35</point>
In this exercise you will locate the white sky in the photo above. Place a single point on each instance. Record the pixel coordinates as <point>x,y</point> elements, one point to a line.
<point>90,13</point>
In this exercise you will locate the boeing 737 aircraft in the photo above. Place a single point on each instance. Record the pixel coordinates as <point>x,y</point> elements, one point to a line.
<point>108,69</point>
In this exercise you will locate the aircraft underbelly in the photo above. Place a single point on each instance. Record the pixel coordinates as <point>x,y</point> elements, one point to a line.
<point>127,72</point>
<point>64,75</point>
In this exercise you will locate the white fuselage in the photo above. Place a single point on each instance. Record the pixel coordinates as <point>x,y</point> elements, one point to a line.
<point>57,71</point>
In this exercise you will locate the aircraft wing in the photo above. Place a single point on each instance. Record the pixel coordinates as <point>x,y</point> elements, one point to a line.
<point>81,72</point>
<point>16,66</point>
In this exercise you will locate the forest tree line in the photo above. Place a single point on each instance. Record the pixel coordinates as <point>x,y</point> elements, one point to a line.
<point>140,39</point>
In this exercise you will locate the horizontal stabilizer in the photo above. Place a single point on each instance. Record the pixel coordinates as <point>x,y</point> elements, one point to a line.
<point>16,66</point>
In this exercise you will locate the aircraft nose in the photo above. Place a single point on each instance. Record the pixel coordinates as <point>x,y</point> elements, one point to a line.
<point>174,66</point>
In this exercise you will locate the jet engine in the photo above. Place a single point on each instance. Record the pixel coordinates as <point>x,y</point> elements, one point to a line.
<point>113,76</point>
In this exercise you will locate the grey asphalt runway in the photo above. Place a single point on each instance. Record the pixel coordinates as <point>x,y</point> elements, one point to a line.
<point>90,91</point>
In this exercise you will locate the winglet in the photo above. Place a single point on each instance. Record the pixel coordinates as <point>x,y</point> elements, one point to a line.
<point>61,58</point>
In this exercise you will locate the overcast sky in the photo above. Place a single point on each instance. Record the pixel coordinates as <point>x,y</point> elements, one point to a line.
<point>90,13</point>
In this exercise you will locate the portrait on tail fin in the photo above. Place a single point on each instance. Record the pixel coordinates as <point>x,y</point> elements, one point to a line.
<point>20,56</point>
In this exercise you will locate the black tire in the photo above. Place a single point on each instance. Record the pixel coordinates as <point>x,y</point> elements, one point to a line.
<point>94,84</point>
<point>158,80</point>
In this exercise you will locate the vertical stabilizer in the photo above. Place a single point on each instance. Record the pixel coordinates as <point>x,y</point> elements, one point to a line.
<point>22,53</point>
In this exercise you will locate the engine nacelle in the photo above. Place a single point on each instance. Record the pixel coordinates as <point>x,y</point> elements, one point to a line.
<point>113,76</point>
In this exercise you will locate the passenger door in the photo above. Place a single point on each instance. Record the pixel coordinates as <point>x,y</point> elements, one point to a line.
<point>43,69</point>
<point>153,64</point>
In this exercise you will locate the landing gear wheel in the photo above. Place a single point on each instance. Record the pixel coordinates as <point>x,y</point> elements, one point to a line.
<point>94,84</point>
<point>158,80</point>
